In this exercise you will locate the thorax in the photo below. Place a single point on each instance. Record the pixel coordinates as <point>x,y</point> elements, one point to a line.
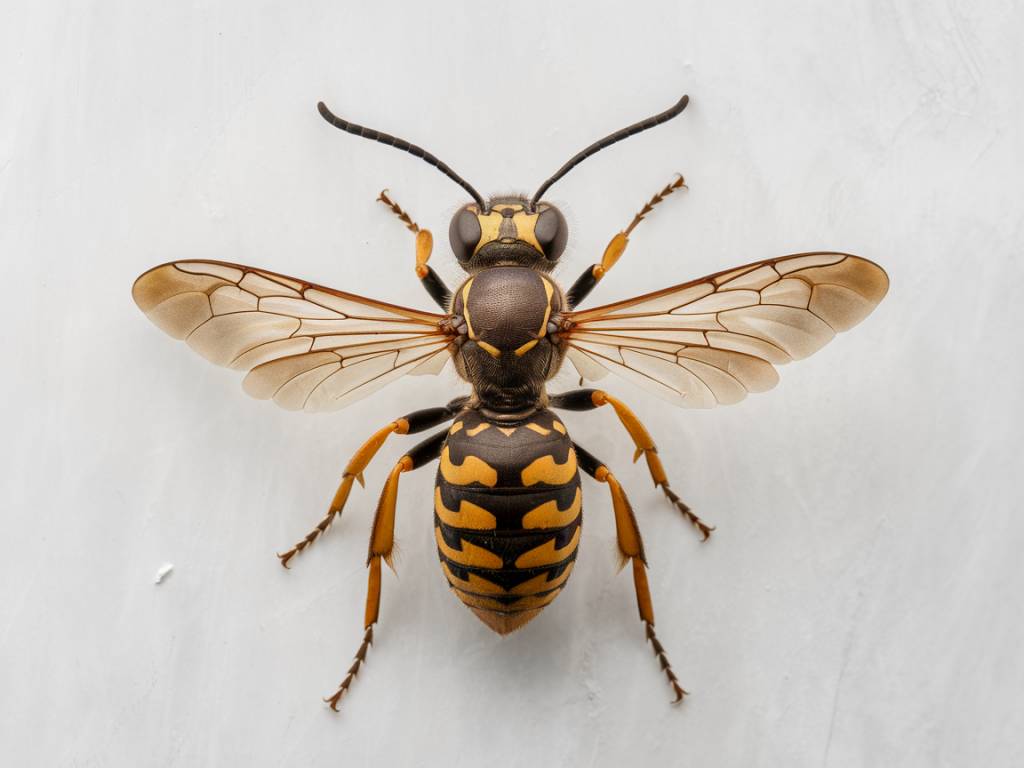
<point>506,315</point>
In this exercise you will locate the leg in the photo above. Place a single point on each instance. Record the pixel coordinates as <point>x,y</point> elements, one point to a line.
<point>631,548</point>
<point>382,543</point>
<point>586,282</point>
<point>424,247</point>
<point>417,421</point>
<point>588,399</point>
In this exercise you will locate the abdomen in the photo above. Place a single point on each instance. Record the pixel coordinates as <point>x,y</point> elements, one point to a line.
<point>507,515</point>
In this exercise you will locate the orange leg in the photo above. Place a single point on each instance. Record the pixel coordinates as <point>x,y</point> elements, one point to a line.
<point>382,544</point>
<point>616,247</point>
<point>631,549</point>
<point>424,248</point>
<point>586,399</point>
<point>409,424</point>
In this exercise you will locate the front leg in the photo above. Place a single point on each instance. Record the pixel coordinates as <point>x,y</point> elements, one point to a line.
<point>592,276</point>
<point>424,247</point>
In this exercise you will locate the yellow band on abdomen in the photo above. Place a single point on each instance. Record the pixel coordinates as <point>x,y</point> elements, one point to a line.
<point>547,554</point>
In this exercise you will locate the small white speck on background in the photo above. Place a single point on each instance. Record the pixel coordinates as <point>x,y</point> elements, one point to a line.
<point>162,572</point>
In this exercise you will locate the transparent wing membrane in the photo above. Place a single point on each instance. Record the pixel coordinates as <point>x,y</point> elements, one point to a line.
<point>711,341</point>
<point>305,347</point>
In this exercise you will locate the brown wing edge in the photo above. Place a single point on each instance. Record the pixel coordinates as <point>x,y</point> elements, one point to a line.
<point>144,297</point>
<point>880,285</point>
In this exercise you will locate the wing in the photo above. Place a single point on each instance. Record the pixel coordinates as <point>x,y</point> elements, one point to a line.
<point>305,346</point>
<point>713,340</point>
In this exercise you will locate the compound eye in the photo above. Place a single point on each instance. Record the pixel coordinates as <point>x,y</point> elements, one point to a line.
<point>464,234</point>
<point>551,232</point>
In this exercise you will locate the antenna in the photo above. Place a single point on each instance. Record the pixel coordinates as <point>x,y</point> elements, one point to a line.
<point>397,143</point>
<point>607,141</point>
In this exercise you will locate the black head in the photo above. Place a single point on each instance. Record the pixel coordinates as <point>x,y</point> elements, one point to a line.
<point>509,231</point>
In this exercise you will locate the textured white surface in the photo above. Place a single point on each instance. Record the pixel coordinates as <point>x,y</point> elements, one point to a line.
<point>860,602</point>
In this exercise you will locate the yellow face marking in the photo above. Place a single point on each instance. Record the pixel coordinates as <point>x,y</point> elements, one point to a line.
<point>470,554</point>
<point>488,348</point>
<point>472,470</point>
<point>538,429</point>
<point>540,583</point>
<point>528,345</point>
<point>523,603</point>
<point>548,515</point>
<point>475,584</point>
<point>559,427</point>
<point>469,515</point>
<point>525,225</point>
<point>547,470</point>
<point>456,427</point>
<point>507,431</point>
<point>490,225</point>
<point>465,308</point>
<point>477,429</point>
<point>546,554</point>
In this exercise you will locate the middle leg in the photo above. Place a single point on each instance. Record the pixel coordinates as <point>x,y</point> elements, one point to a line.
<point>411,423</point>
<point>588,399</point>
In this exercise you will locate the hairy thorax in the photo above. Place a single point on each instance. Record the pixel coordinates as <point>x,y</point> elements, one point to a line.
<point>507,318</point>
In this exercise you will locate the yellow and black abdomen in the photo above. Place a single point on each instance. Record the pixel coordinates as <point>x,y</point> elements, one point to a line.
<point>507,515</point>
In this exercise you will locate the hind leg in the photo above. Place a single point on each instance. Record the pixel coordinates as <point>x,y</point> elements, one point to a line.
<point>382,543</point>
<point>631,549</point>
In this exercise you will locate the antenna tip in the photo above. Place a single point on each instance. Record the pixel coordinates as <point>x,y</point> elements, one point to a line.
<point>330,117</point>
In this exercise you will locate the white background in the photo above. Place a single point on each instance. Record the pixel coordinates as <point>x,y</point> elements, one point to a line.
<point>860,602</point>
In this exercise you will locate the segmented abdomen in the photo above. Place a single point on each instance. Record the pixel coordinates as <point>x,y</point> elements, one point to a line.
<point>507,515</point>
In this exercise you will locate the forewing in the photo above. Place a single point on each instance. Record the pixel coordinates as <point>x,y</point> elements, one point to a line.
<point>305,346</point>
<point>713,340</point>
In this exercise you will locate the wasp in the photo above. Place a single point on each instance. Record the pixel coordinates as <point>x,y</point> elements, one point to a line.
<point>508,498</point>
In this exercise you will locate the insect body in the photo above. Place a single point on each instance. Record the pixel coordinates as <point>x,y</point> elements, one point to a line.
<point>508,498</point>
<point>507,514</point>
